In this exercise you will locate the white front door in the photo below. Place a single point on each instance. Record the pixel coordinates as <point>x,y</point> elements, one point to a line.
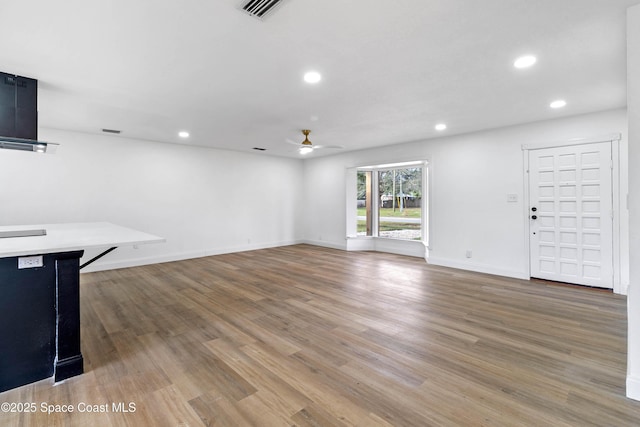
<point>570,214</point>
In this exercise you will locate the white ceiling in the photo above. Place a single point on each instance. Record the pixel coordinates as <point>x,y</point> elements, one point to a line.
<point>391,69</point>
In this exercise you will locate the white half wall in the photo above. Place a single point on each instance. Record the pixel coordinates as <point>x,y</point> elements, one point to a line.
<point>633,102</point>
<point>203,201</point>
<point>470,178</point>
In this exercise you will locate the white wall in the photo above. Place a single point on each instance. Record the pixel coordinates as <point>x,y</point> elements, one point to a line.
<point>470,178</point>
<point>203,201</point>
<point>206,201</point>
<point>633,102</point>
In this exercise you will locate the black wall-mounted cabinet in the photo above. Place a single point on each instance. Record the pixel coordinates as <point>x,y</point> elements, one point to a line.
<point>7,105</point>
<point>18,107</point>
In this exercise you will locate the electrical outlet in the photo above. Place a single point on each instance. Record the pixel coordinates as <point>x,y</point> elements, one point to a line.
<point>469,253</point>
<point>30,262</point>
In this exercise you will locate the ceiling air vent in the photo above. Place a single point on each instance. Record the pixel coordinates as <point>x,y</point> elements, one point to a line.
<point>259,8</point>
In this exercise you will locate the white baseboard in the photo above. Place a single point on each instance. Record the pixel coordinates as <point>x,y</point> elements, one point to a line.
<point>411,248</point>
<point>401,248</point>
<point>408,248</point>
<point>633,387</point>
<point>325,244</point>
<point>105,264</point>
<point>360,244</point>
<point>137,262</point>
<point>624,289</point>
<point>479,268</point>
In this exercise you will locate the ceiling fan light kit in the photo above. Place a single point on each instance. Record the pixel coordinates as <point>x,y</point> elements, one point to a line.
<point>306,146</point>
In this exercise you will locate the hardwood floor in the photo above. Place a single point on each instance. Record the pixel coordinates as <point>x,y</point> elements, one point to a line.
<point>309,336</point>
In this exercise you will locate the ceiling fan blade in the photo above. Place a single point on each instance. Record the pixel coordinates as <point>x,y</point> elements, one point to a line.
<point>335,147</point>
<point>292,142</point>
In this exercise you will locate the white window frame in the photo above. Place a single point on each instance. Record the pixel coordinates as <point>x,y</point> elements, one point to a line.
<point>358,242</point>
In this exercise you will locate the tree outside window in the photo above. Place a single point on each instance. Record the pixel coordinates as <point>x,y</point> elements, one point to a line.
<point>399,203</point>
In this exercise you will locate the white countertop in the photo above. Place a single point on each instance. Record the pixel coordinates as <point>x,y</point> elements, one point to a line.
<point>71,237</point>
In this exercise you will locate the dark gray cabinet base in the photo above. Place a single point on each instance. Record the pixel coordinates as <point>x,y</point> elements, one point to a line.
<point>40,320</point>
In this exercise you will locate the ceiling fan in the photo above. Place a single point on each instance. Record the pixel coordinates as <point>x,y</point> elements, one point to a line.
<point>306,146</point>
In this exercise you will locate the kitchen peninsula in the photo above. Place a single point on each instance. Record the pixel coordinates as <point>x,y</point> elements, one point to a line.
<point>40,295</point>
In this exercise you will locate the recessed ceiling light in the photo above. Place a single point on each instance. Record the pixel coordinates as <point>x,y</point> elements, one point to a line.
<point>525,61</point>
<point>312,77</point>
<point>558,104</point>
<point>183,134</point>
<point>440,127</point>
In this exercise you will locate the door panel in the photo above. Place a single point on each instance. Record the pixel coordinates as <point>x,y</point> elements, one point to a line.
<point>571,221</point>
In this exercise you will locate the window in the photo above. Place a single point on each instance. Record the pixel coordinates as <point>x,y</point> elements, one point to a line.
<point>364,204</point>
<point>390,201</point>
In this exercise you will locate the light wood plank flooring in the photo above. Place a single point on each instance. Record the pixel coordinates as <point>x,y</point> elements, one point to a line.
<point>309,336</point>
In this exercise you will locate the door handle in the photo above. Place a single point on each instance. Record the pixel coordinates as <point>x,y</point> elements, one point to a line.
<point>533,209</point>
<point>534,216</point>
